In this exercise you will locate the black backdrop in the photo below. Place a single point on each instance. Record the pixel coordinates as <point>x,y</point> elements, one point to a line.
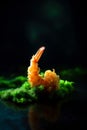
<point>58,25</point>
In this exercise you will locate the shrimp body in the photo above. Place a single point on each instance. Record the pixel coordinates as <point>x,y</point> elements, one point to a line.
<point>50,80</point>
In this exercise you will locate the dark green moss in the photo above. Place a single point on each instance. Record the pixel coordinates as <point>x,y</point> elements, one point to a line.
<point>18,90</point>
<point>77,73</point>
<point>13,82</point>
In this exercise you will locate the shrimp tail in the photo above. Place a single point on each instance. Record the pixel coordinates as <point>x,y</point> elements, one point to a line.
<point>38,54</point>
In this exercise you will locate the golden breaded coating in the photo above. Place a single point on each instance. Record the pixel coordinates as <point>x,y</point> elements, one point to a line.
<point>50,80</point>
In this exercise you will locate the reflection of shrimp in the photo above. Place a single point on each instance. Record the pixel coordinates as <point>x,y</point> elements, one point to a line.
<point>46,112</point>
<point>50,80</point>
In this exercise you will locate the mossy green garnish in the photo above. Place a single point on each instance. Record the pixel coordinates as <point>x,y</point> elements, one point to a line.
<point>12,82</point>
<point>18,90</point>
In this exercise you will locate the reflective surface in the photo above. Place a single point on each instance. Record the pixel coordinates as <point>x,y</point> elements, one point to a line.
<point>69,113</point>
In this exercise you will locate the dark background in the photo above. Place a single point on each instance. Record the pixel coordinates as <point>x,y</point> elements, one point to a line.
<point>57,24</point>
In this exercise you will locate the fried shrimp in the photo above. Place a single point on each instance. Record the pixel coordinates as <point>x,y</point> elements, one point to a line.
<point>50,80</point>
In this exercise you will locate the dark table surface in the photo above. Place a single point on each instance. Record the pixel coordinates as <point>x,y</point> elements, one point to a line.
<point>70,113</point>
